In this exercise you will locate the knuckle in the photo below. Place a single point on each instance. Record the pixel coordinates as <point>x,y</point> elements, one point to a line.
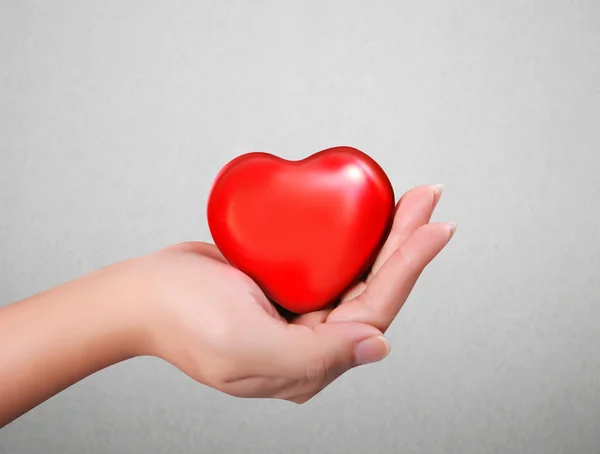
<point>404,259</point>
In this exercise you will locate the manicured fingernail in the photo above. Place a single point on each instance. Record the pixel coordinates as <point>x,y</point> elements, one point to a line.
<point>437,193</point>
<point>451,228</point>
<point>371,350</point>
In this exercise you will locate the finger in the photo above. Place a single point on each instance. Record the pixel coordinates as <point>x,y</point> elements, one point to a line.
<point>315,357</point>
<point>413,210</point>
<point>354,292</point>
<point>312,319</point>
<point>384,296</point>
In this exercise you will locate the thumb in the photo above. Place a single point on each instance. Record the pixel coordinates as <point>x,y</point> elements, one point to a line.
<point>321,354</point>
<point>351,344</point>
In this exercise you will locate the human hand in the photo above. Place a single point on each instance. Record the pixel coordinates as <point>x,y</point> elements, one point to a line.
<point>215,324</point>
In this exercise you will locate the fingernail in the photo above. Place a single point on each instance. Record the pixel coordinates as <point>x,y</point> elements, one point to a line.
<point>438,188</point>
<point>371,350</point>
<point>437,193</point>
<point>451,228</point>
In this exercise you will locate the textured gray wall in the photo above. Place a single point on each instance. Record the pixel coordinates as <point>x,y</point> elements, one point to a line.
<point>116,115</point>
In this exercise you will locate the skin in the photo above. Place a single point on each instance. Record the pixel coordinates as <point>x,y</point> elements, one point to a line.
<point>187,305</point>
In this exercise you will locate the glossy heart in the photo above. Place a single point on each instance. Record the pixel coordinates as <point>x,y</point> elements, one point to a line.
<point>303,230</point>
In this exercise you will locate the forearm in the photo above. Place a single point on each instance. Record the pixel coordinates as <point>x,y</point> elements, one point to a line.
<point>52,340</point>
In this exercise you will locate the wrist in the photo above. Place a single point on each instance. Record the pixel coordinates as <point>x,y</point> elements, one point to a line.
<point>123,309</point>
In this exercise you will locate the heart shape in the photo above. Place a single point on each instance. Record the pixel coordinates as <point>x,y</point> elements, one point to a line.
<point>305,230</point>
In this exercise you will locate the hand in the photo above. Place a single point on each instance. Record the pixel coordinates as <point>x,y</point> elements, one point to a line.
<point>214,323</point>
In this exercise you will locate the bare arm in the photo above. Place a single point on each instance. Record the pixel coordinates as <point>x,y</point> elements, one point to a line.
<point>52,340</point>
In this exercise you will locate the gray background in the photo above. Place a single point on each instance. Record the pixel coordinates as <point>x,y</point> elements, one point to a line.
<point>115,117</point>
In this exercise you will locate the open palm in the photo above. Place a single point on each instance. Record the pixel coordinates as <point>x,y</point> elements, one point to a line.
<point>223,331</point>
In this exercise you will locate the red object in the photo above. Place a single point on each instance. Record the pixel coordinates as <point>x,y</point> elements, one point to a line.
<point>303,230</point>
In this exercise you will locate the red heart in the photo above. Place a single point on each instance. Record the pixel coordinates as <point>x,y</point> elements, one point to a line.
<point>303,230</point>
